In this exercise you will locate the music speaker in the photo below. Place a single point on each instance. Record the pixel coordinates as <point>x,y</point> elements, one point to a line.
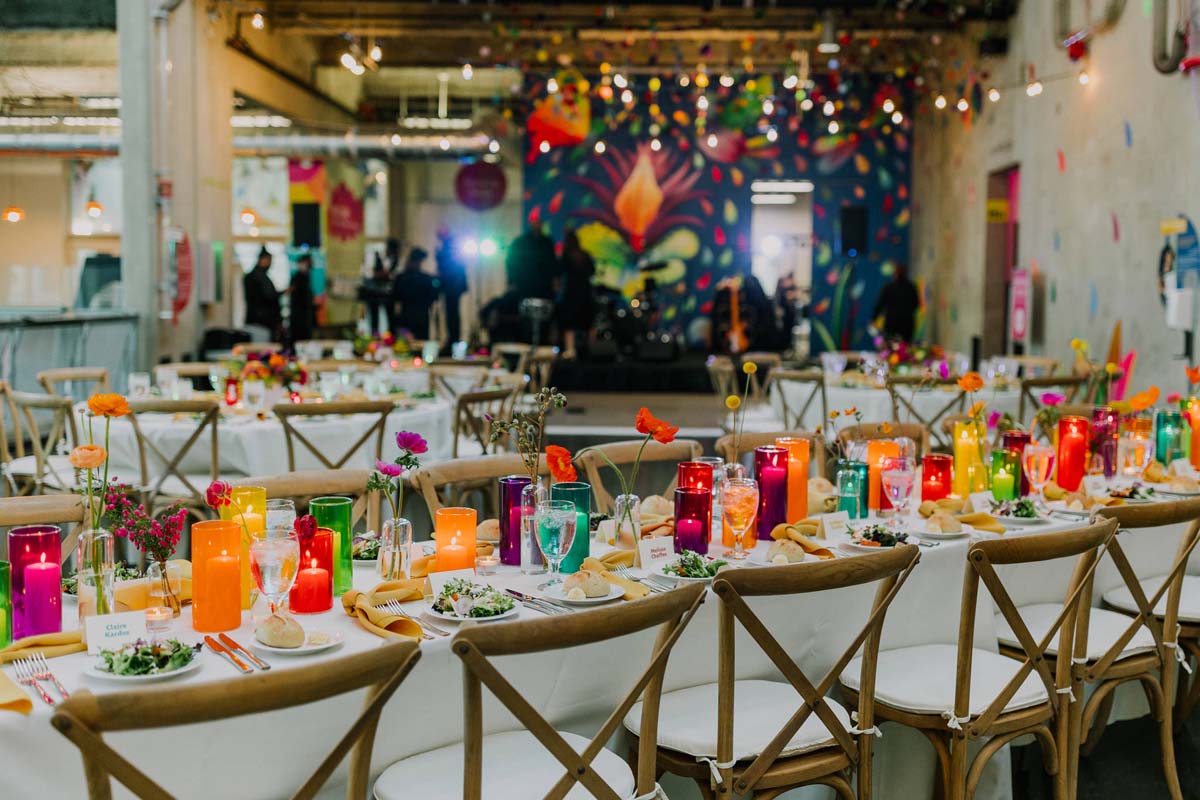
<point>306,225</point>
<point>853,239</point>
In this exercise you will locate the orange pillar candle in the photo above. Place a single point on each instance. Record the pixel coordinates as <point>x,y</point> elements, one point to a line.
<point>1193,417</point>
<point>455,529</point>
<point>216,576</point>
<point>877,451</point>
<point>797,477</point>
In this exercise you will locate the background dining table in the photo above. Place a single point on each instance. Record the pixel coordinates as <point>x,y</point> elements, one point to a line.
<point>269,754</point>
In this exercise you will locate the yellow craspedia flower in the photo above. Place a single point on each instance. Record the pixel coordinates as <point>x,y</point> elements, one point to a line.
<point>732,402</point>
<point>1078,344</point>
<point>1111,368</point>
<point>749,368</point>
<point>834,414</point>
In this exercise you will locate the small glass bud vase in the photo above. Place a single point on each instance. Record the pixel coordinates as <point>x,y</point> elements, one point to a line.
<point>532,562</point>
<point>97,567</point>
<point>395,544</point>
<point>164,586</point>
<point>627,513</point>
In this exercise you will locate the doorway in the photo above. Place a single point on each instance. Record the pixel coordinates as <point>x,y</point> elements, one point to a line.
<point>1000,257</point>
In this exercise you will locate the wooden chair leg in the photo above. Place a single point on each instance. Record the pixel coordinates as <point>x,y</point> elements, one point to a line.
<point>959,761</point>
<point>941,780</point>
<point>706,790</point>
<point>1070,734</point>
<point>1188,693</point>
<point>836,782</point>
<point>1099,721</point>
<point>866,774</point>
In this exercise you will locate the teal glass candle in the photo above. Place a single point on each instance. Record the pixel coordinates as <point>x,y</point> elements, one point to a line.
<point>1006,474</point>
<point>334,513</point>
<point>849,494</point>
<point>580,494</point>
<point>1168,436</point>
<point>5,607</point>
<point>863,472</point>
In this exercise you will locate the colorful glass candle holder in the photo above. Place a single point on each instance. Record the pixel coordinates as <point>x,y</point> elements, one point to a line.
<point>799,456</point>
<point>35,554</point>
<point>850,492</point>
<point>1018,441</point>
<point>312,592</point>
<point>1192,414</point>
<point>1168,435</point>
<point>1073,449</point>
<point>5,606</point>
<point>877,451</point>
<point>693,508</point>
<point>1006,471</point>
<point>335,513</point>
<point>216,575</point>
<point>937,476</point>
<point>455,538</point>
<point>771,472</point>
<point>1104,438</point>
<point>249,510</point>
<point>863,472</point>
<point>511,514</point>
<point>580,494</point>
<point>698,475</point>
<point>968,449</point>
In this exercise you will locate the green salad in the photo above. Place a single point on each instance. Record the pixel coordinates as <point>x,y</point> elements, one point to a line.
<point>148,658</point>
<point>694,565</point>
<point>465,599</point>
<point>878,536</point>
<point>366,546</point>
<point>1021,509</point>
<point>123,572</point>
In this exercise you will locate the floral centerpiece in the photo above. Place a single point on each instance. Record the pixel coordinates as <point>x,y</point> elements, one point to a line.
<point>273,369</point>
<point>156,537</point>
<point>388,479</point>
<point>900,355</point>
<point>383,344</point>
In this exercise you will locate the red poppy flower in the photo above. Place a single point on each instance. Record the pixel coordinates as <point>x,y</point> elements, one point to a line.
<point>218,494</point>
<point>559,460</point>
<point>662,431</point>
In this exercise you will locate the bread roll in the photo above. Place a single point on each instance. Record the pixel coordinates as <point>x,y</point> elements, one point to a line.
<point>488,531</point>
<point>277,631</point>
<point>657,506</point>
<point>1053,491</point>
<point>789,551</point>
<point>592,583</point>
<point>1180,483</point>
<point>1155,473</point>
<point>942,522</point>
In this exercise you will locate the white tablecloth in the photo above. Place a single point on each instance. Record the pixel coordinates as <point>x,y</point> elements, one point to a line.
<point>875,405</point>
<point>264,756</point>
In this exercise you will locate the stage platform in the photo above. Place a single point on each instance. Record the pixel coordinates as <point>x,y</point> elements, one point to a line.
<point>686,375</point>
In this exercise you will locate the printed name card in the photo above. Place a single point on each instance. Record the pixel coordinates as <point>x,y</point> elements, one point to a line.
<point>656,552</point>
<point>981,501</point>
<point>835,524</point>
<point>438,579</point>
<point>114,631</point>
<point>1095,485</point>
<point>1182,466</point>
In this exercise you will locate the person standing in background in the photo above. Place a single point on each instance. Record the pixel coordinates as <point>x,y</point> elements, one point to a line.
<point>531,264</point>
<point>391,257</point>
<point>262,298</point>
<point>375,293</point>
<point>575,308</point>
<point>413,294</point>
<point>300,294</point>
<point>452,274</point>
<point>898,303</point>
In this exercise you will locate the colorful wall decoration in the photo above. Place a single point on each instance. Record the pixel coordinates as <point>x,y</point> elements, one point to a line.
<point>650,170</point>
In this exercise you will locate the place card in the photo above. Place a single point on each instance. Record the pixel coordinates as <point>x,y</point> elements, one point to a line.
<point>437,580</point>
<point>835,524</point>
<point>1095,485</point>
<point>656,552</point>
<point>114,631</point>
<point>1182,467</point>
<point>981,502</point>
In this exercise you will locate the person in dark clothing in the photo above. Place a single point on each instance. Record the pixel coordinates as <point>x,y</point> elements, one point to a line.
<point>413,293</point>
<point>452,273</point>
<point>575,307</point>
<point>531,265</point>
<point>375,292</point>
<point>898,302</point>
<point>391,257</point>
<point>262,298</point>
<point>501,318</point>
<point>300,296</point>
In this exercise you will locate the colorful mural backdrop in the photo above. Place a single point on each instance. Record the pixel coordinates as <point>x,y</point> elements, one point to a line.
<point>649,170</point>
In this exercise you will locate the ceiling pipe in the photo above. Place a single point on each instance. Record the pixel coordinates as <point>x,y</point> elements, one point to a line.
<point>1167,50</point>
<point>350,145</point>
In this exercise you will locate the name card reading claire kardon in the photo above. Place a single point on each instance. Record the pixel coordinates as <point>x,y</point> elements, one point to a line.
<point>114,631</point>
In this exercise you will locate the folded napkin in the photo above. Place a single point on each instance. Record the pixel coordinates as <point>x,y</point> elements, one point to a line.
<point>362,606</point>
<point>982,522</point>
<point>426,564</point>
<point>797,533</point>
<point>633,589</point>
<point>12,697</point>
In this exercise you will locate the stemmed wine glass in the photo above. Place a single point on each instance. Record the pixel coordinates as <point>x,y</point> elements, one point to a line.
<point>739,505</point>
<point>1038,462</point>
<point>1134,454</point>
<point>274,558</point>
<point>555,521</point>
<point>896,478</point>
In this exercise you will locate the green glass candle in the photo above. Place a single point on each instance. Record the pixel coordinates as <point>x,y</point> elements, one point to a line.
<point>1006,474</point>
<point>863,472</point>
<point>334,513</point>
<point>5,607</point>
<point>1168,436</point>
<point>580,494</point>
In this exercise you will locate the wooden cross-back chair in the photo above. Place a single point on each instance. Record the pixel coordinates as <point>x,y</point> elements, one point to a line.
<point>66,510</point>
<point>623,454</point>
<point>903,388</point>
<point>1032,389</point>
<point>540,366</point>
<point>448,483</point>
<point>86,717</point>
<point>288,412</point>
<point>870,431</point>
<point>326,345</point>
<point>471,412</point>
<point>442,378</point>
<point>749,440</point>
<point>337,365</point>
<point>49,469</point>
<point>759,381</point>
<point>242,348</point>
<point>303,486</point>
<point>13,462</point>
<point>541,761</point>
<point>811,381</point>
<point>51,379</point>
<point>976,692</point>
<point>168,483</point>
<point>801,735</point>
<point>512,356</point>
<point>1036,366</point>
<point>723,378</point>
<point>189,369</point>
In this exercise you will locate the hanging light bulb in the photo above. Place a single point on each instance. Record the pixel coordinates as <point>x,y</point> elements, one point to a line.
<point>834,127</point>
<point>829,42</point>
<point>685,81</point>
<point>772,134</point>
<point>888,106</point>
<point>768,107</point>
<point>655,145</point>
<point>702,103</point>
<point>897,117</point>
<point>994,94</point>
<point>14,214</point>
<point>619,81</point>
<point>376,52</point>
<point>790,82</point>
<point>626,97</point>
<point>258,22</point>
<point>828,108</point>
<point>940,101</point>
<point>493,146</point>
<point>806,104</point>
<point>1034,88</point>
<point>962,104</point>
<point>600,147</point>
<point>726,80</point>
<point>712,140</point>
<point>94,209</point>
<point>1084,78</point>
<point>544,147</point>
<point>468,71</point>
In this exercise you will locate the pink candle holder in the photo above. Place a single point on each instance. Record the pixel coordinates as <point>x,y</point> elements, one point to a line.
<point>35,552</point>
<point>693,519</point>
<point>771,471</point>
<point>511,515</point>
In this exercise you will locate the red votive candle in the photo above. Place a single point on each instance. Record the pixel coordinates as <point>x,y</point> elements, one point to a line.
<point>693,512</point>
<point>937,476</point>
<point>698,475</point>
<point>1072,451</point>
<point>771,470</point>
<point>313,590</point>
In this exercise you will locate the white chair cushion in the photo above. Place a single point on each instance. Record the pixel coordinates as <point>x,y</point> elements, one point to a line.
<point>687,721</point>
<point>1104,628</point>
<point>515,767</point>
<point>1189,599</point>
<point>58,469</point>
<point>921,679</point>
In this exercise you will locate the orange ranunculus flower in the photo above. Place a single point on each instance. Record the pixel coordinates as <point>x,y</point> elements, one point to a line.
<point>662,431</point>
<point>977,408</point>
<point>970,382</point>
<point>276,361</point>
<point>1143,400</point>
<point>87,456</point>
<point>108,405</point>
<point>559,460</point>
<point>1193,374</point>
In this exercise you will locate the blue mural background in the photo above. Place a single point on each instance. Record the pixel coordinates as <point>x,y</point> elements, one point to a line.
<point>591,163</point>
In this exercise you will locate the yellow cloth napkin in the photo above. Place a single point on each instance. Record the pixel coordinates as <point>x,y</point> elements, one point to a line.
<point>797,534</point>
<point>362,606</point>
<point>12,697</point>
<point>426,564</point>
<point>633,589</point>
<point>982,522</point>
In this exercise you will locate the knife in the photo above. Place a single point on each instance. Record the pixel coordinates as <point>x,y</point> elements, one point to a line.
<point>224,652</point>
<point>232,645</point>
<point>540,602</point>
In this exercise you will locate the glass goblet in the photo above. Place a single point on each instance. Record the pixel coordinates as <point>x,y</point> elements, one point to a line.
<point>274,559</point>
<point>896,478</point>
<point>1038,462</point>
<point>555,522</point>
<point>739,506</point>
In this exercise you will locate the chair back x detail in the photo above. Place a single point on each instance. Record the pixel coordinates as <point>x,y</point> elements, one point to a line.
<point>66,510</point>
<point>48,472</point>
<point>903,390</point>
<point>448,482</point>
<point>471,416</point>
<point>810,381</point>
<point>51,378</point>
<point>289,412</point>
<point>206,416</point>
<point>303,486</point>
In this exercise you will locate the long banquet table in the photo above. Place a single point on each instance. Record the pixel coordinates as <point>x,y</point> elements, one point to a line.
<point>875,405</point>
<point>267,755</point>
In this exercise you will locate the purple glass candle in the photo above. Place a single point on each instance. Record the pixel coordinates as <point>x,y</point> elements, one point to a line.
<point>1017,440</point>
<point>35,552</point>
<point>693,519</point>
<point>511,513</point>
<point>1104,438</point>
<point>770,470</point>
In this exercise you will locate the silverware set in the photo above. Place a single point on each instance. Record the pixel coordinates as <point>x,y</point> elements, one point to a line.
<point>34,669</point>
<point>394,607</point>
<point>649,582</point>
<point>233,652</point>
<point>540,604</point>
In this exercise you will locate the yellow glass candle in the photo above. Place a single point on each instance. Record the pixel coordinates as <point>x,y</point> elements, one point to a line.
<point>249,510</point>
<point>455,539</point>
<point>968,441</point>
<point>797,477</point>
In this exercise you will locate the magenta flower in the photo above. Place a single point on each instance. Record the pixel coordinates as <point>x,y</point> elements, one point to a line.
<point>993,419</point>
<point>944,370</point>
<point>390,470</point>
<point>1174,397</point>
<point>1052,399</point>
<point>412,442</point>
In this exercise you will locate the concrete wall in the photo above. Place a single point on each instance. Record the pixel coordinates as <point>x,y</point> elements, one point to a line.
<point>1066,217</point>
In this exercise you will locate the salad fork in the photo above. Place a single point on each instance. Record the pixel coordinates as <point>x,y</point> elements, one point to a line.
<point>393,607</point>
<point>25,677</point>
<point>626,573</point>
<point>42,672</point>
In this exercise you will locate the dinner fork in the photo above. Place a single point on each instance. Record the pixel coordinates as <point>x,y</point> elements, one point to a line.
<point>626,573</point>
<point>393,607</point>
<point>42,672</point>
<point>25,677</point>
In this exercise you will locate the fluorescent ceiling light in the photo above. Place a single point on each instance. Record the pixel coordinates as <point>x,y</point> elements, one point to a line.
<point>772,199</point>
<point>781,186</point>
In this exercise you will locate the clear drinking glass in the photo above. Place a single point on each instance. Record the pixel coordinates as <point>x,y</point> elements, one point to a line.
<point>896,478</point>
<point>330,386</point>
<point>1134,454</point>
<point>555,530</point>
<point>281,513</point>
<point>168,383</point>
<point>139,385</point>
<point>274,558</point>
<point>254,394</point>
<point>1038,462</point>
<point>739,506</point>
<point>217,373</point>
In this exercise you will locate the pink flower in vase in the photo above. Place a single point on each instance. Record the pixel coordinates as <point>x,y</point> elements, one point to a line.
<point>1052,399</point>
<point>390,470</point>
<point>412,442</point>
